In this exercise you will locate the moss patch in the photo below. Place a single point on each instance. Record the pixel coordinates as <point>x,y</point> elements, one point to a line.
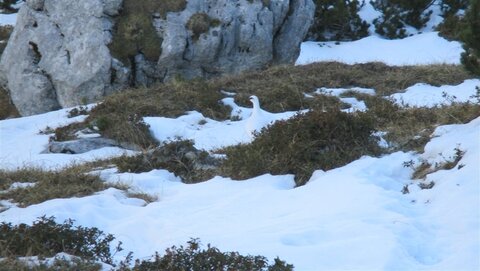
<point>7,109</point>
<point>134,32</point>
<point>200,23</point>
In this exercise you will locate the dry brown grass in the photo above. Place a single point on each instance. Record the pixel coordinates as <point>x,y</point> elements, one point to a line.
<point>410,128</point>
<point>279,88</point>
<point>64,183</point>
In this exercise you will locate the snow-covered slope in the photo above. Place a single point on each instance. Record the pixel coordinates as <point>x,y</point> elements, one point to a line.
<point>353,217</point>
<point>422,49</point>
<point>350,218</point>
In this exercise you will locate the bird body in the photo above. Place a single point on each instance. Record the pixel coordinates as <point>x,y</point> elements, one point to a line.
<point>258,119</point>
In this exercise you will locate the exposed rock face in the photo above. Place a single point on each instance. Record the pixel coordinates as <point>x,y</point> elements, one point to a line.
<point>58,54</point>
<point>251,35</point>
<point>80,145</point>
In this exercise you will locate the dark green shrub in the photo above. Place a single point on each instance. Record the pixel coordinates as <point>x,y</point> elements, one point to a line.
<point>178,157</point>
<point>6,5</point>
<point>471,38</point>
<point>453,23</point>
<point>451,7</point>
<point>194,258</point>
<point>452,27</point>
<point>300,145</point>
<point>46,238</point>
<point>200,23</point>
<point>398,14</point>
<point>338,20</point>
<point>134,32</point>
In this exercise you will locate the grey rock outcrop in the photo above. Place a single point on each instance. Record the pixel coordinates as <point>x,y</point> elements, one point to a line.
<point>80,145</point>
<point>251,35</point>
<point>58,55</point>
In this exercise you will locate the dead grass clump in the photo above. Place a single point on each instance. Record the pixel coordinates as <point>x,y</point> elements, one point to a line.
<point>307,142</point>
<point>65,183</point>
<point>178,157</point>
<point>421,171</point>
<point>410,128</point>
<point>142,195</point>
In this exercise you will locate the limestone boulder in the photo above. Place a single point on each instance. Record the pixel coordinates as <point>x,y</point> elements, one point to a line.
<point>60,53</point>
<point>57,55</point>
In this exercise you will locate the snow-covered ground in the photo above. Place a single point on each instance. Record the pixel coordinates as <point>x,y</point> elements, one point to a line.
<point>8,19</point>
<point>430,96</point>
<point>350,218</point>
<point>23,142</point>
<point>421,49</point>
<point>353,217</point>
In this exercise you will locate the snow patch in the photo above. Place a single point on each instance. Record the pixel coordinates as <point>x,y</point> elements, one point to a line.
<point>421,49</point>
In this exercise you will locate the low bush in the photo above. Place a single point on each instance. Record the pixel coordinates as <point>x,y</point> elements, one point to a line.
<point>193,257</point>
<point>471,38</point>
<point>338,20</point>
<point>46,238</point>
<point>452,27</point>
<point>397,15</point>
<point>300,145</point>
<point>178,157</point>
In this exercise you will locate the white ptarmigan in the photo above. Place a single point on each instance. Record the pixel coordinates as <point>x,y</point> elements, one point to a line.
<point>259,118</point>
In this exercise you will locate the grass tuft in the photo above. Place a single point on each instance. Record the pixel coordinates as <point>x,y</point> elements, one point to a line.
<point>64,183</point>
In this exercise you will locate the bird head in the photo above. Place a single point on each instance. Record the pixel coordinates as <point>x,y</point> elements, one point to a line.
<point>254,100</point>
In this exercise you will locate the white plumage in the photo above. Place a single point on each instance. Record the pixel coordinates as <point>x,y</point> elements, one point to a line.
<point>259,118</point>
